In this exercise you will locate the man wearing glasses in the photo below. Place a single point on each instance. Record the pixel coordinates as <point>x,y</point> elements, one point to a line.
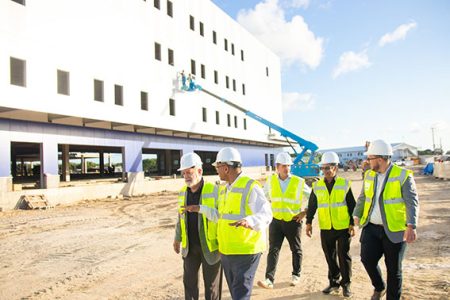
<point>197,236</point>
<point>387,209</point>
<point>242,216</point>
<point>286,192</point>
<point>333,198</point>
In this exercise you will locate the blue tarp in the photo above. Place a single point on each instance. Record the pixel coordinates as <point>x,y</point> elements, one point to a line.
<point>429,168</point>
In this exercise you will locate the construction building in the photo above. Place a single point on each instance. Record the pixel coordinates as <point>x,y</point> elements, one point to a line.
<point>100,81</point>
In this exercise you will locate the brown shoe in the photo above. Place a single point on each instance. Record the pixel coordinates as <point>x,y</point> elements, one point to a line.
<point>377,295</point>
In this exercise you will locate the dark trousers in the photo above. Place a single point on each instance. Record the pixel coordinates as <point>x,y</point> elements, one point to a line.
<point>336,244</point>
<point>374,244</point>
<point>211,275</point>
<point>278,230</point>
<point>240,272</point>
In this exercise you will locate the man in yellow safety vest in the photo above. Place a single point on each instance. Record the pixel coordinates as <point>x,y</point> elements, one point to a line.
<point>387,209</point>
<point>285,192</point>
<point>196,235</point>
<point>332,197</point>
<point>242,216</point>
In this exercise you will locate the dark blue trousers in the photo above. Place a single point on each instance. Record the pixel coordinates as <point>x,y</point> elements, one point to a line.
<point>240,272</point>
<point>375,244</point>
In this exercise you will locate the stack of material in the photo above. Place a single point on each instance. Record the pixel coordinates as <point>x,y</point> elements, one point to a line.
<point>35,202</point>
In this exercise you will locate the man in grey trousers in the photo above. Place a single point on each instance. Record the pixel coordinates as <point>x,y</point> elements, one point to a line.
<point>387,209</point>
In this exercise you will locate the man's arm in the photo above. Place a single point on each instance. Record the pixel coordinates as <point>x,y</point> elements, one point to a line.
<point>359,207</point>
<point>262,211</point>
<point>350,200</point>
<point>411,198</point>
<point>177,238</point>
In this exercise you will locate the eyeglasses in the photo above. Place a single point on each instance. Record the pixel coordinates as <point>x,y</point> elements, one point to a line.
<point>326,168</point>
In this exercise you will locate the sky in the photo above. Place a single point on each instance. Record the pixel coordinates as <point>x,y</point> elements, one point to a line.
<point>355,70</point>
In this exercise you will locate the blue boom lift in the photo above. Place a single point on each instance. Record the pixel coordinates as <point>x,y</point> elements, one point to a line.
<point>300,168</point>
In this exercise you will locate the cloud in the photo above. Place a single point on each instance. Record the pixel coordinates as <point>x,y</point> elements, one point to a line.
<point>298,102</point>
<point>351,62</point>
<point>292,40</point>
<point>298,3</point>
<point>398,34</point>
<point>415,127</point>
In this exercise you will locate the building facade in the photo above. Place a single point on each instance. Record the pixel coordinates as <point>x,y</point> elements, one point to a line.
<point>105,77</point>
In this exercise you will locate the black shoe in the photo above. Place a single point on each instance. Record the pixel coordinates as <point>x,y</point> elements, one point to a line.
<point>330,288</point>
<point>377,295</point>
<point>346,291</point>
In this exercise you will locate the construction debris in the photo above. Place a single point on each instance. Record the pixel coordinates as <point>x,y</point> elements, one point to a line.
<point>34,202</point>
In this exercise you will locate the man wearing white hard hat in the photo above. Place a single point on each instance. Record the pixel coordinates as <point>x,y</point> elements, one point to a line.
<point>332,197</point>
<point>242,216</point>
<point>195,235</point>
<point>387,209</point>
<point>285,192</point>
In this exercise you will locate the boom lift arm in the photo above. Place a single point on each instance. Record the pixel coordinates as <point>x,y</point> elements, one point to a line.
<point>299,168</point>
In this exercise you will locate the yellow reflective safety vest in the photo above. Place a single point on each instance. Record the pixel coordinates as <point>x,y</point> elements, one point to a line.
<point>233,206</point>
<point>208,198</point>
<point>393,202</point>
<point>288,204</point>
<point>332,208</point>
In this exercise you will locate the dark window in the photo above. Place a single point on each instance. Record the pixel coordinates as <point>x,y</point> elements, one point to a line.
<point>156,4</point>
<point>157,51</point>
<point>234,85</point>
<point>192,23</point>
<point>216,77</point>
<point>19,1</point>
<point>243,89</point>
<point>203,71</point>
<point>171,60</point>
<point>63,82</point>
<point>202,32</point>
<point>267,71</point>
<point>98,90</point>
<point>229,120</point>
<point>172,107</point>
<point>193,67</point>
<point>118,94</point>
<point>242,55</point>
<point>217,117</point>
<point>169,8</point>
<point>225,44</point>
<point>18,71</point>
<point>232,48</point>
<point>144,101</point>
<point>214,37</point>
<point>235,121</point>
<point>245,124</point>
<point>204,116</point>
<point>227,82</point>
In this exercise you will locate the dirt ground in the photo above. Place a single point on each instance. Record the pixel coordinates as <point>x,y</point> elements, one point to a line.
<point>122,249</point>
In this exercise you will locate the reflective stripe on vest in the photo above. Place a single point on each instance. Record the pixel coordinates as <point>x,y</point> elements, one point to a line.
<point>288,204</point>
<point>393,202</point>
<point>233,206</point>
<point>208,198</point>
<point>332,208</point>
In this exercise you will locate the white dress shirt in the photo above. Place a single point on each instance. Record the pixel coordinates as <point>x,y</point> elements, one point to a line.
<point>375,217</point>
<point>284,184</point>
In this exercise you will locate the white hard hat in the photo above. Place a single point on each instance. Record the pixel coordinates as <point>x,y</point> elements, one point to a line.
<point>228,155</point>
<point>329,157</point>
<point>379,147</point>
<point>283,158</point>
<point>190,160</point>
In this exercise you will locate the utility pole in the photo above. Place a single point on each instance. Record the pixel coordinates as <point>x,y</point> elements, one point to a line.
<point>432,134</point>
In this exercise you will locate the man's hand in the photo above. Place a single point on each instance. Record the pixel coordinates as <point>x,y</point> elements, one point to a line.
<point>191,208</point>
<point>309,230</point>
<point>356,220</point>
<point>410,234</point>
<point>298,218</point>
<point>351,230</point>
<point>242,223</point>
<point>176,246</point>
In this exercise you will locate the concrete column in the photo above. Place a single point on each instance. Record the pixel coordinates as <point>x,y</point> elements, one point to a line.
<point>83,164</point>
<point>6,182</point>
<point>101,155</point>
<point>49,165</point>
<point>168,162</point>
<point>65,168</point>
